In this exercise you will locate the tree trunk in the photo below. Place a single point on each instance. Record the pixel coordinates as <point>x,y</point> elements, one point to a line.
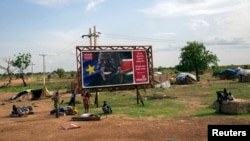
<point>197,74</point>
<point>10,79</point>
<point>24,83</point>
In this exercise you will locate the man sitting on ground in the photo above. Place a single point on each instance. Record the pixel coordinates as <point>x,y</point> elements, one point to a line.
<point>222,95</point>
<point>106,108</point>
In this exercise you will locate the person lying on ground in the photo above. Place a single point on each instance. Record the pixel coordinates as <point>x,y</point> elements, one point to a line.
<point>21,111</point>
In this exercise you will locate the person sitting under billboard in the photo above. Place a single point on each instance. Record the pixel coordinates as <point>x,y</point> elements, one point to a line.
<point>106,108</point>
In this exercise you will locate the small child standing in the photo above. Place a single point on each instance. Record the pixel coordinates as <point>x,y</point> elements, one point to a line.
<point>56,99</point>
<point>86,101</point>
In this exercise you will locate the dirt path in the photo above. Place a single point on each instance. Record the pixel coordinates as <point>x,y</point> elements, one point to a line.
<point>42,126</point>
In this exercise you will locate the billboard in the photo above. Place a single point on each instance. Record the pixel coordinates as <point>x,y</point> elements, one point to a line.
<point>114,68</point>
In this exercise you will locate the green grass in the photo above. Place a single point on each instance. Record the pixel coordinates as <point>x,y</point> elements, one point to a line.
<point>125,103</point>
<point>51,85</point>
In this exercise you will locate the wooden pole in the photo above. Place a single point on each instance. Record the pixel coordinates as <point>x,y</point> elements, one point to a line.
<point>94,36</point>
<point>96,99</point>
<point>90,37</point>
<point>138,96</point>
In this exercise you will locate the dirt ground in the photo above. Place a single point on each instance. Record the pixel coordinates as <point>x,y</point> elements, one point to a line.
<point>41,126</point>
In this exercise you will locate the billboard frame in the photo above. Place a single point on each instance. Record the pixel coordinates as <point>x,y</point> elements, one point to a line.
<point>148,49</point>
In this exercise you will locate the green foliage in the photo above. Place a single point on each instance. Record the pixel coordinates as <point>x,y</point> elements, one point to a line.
<point>160,69</point>
<point>72,74</point>
<point>60,72</point>
<point>195,56</point>
<point>22,61</point>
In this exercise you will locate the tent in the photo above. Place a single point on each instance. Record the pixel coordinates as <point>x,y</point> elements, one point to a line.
<point>229,73</point>
<point>185,78</point>
<point>31,94</point>
<point>244,75</point>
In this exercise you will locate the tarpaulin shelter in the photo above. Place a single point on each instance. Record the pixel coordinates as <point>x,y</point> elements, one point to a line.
<point>31,94</point>
<point>185,78</point>
<point>244,75</point>
<point>229,73</point>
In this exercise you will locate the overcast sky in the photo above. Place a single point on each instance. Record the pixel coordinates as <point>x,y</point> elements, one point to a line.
<point>55,27</point>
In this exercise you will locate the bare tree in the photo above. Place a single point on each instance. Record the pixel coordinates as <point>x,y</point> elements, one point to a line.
<point>8,68</point>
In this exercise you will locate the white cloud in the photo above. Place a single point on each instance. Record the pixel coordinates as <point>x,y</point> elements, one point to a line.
<point>92,4</point>
<point>50,2</point>
<point>231,28</point>
<point>165,34</point>
<point>235,25</point>
<point>195,7</point>
<point>197,23</point>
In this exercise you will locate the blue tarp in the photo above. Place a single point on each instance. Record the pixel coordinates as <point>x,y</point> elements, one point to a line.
<point>230,71</point>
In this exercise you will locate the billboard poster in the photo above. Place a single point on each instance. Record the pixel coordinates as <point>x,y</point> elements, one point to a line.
<point>114,68</point>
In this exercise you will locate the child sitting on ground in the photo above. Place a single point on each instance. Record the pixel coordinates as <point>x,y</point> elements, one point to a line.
<point>106,108</point>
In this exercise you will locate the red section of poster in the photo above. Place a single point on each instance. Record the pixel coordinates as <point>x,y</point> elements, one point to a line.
<point>88,56</point>
<point>140,66</point>
<point>126,66</point>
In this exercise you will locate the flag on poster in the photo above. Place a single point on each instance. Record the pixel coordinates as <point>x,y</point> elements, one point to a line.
<point>90,70</point>
<point>114,68</point>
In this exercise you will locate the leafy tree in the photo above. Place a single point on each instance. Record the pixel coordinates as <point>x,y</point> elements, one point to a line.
<point>22,62</point>
<point>9,70</point>
<point>72,74</point>
<point>160,68</point>
<point>195,57</point>
<point>60,72</point>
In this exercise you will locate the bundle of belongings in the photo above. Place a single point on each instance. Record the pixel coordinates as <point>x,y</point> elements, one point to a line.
<point>69,110</point>
<point>21,111</point>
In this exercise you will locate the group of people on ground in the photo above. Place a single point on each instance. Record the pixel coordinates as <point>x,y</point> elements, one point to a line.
<point>71,107</point>
<point>86,103</point>
<point>106,108</point>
